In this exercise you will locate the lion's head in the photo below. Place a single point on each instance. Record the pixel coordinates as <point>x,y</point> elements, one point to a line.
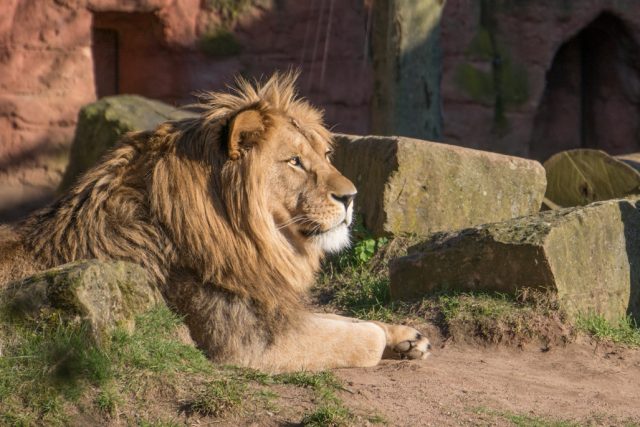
<point>244,196</point>
<point>288,155</point>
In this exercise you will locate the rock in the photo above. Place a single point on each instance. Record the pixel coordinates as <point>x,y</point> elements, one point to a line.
<point>534,95</point>
<point>409,186</point>
<point>588,256</point>
<point>101,124</point>
<point>583,176</point>
<point>104,294</point>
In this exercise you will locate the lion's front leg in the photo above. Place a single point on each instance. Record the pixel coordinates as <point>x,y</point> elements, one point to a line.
<point>319,342</point>
<point>401,341</point>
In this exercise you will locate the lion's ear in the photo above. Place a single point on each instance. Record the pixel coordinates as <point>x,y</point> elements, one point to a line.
<point>243,131</point>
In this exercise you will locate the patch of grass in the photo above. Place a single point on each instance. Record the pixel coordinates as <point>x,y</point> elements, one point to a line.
<point>328,416</point>
<point>219,397</point>
<point>43,366</point>
<point>107,401</point>
<point>522,420</point>
<point>154,347</point>
<point>50,365</point>
<point>330,410</point>
<point>51,369</point>
<point>625,331</point>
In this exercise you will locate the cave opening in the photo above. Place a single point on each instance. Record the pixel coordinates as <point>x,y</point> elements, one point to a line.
<point>592,93</point>
<point>130,55</point>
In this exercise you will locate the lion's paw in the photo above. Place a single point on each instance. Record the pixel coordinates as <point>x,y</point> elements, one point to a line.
<point>407,343</point>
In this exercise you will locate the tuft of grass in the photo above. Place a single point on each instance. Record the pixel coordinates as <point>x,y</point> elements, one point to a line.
<point>330,410</point>
<point>219,398</point>
<point>625,331</point>
<point>328,416</point>
<point>107,402</point>
<point>315,380</point>
<point>522,420</point>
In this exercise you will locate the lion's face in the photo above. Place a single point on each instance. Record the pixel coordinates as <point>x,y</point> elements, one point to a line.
<point>309,200</point>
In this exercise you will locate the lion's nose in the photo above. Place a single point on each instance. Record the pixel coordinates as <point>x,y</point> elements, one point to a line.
<point>345,199</point>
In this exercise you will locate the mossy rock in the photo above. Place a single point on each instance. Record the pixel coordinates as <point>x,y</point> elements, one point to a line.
<point>105,295</point>
<point>587,256</point>
<point>582,176</point>
<point>411,186</point>
<point>102,124</point>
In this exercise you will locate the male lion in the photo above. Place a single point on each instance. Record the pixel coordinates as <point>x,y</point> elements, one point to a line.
<point>231,212</point>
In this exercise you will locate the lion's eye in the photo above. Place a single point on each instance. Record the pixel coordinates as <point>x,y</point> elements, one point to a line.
<point>295,161</point>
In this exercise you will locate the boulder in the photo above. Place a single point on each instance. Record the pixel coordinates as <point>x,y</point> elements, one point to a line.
<point>101,124</point>
<point>410,186</point>
<point>588,256</point>
<point>105,295</point>
<point>582,176</point>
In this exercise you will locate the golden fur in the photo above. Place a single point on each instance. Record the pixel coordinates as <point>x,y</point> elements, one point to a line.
<point>231,212</point>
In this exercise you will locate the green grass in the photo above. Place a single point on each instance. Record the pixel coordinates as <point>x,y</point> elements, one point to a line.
<point>356,281</point>
<point>329,410</point>
<point>51,369</point>
<point>625,331</point>
<point>49,366</point>
<point>522,420</point>
<point>219,397</point>
<point>328,415</point>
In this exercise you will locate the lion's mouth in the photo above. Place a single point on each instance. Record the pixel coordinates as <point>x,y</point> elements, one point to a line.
<point>316,231</point>
<point>319,231</point>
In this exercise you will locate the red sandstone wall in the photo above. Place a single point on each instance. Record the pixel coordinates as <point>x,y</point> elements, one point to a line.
<point>529,34</point>
<point>536,107</point>
<point>47,69</point>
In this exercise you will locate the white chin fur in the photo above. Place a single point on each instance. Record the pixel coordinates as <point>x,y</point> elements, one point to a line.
<point>333,240</point>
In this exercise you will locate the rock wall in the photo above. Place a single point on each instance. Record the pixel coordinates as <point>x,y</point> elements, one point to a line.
<point>531,78</point>
<point>56,56</point>
<point>520,77</point>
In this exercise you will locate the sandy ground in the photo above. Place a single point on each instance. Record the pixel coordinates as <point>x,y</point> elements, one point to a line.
<point>582,383</point>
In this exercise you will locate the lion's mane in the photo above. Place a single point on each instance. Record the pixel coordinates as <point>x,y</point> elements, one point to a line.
<point>171,200</point>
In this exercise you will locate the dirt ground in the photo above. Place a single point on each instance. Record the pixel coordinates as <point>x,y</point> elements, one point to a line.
<point>583,384</point>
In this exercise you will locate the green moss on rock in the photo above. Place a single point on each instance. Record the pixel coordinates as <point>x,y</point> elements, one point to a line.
<point>105,295</point>
<point>409,186</point>
<point>586,256</point>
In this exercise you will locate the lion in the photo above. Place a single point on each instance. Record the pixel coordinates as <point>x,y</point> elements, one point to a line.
<point>231,213</point>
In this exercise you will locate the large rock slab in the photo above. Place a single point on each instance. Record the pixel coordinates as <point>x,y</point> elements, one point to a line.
<point>589,256</point>
<point>104,294</point>
<point>410,186</point>
<point>101,124</point>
